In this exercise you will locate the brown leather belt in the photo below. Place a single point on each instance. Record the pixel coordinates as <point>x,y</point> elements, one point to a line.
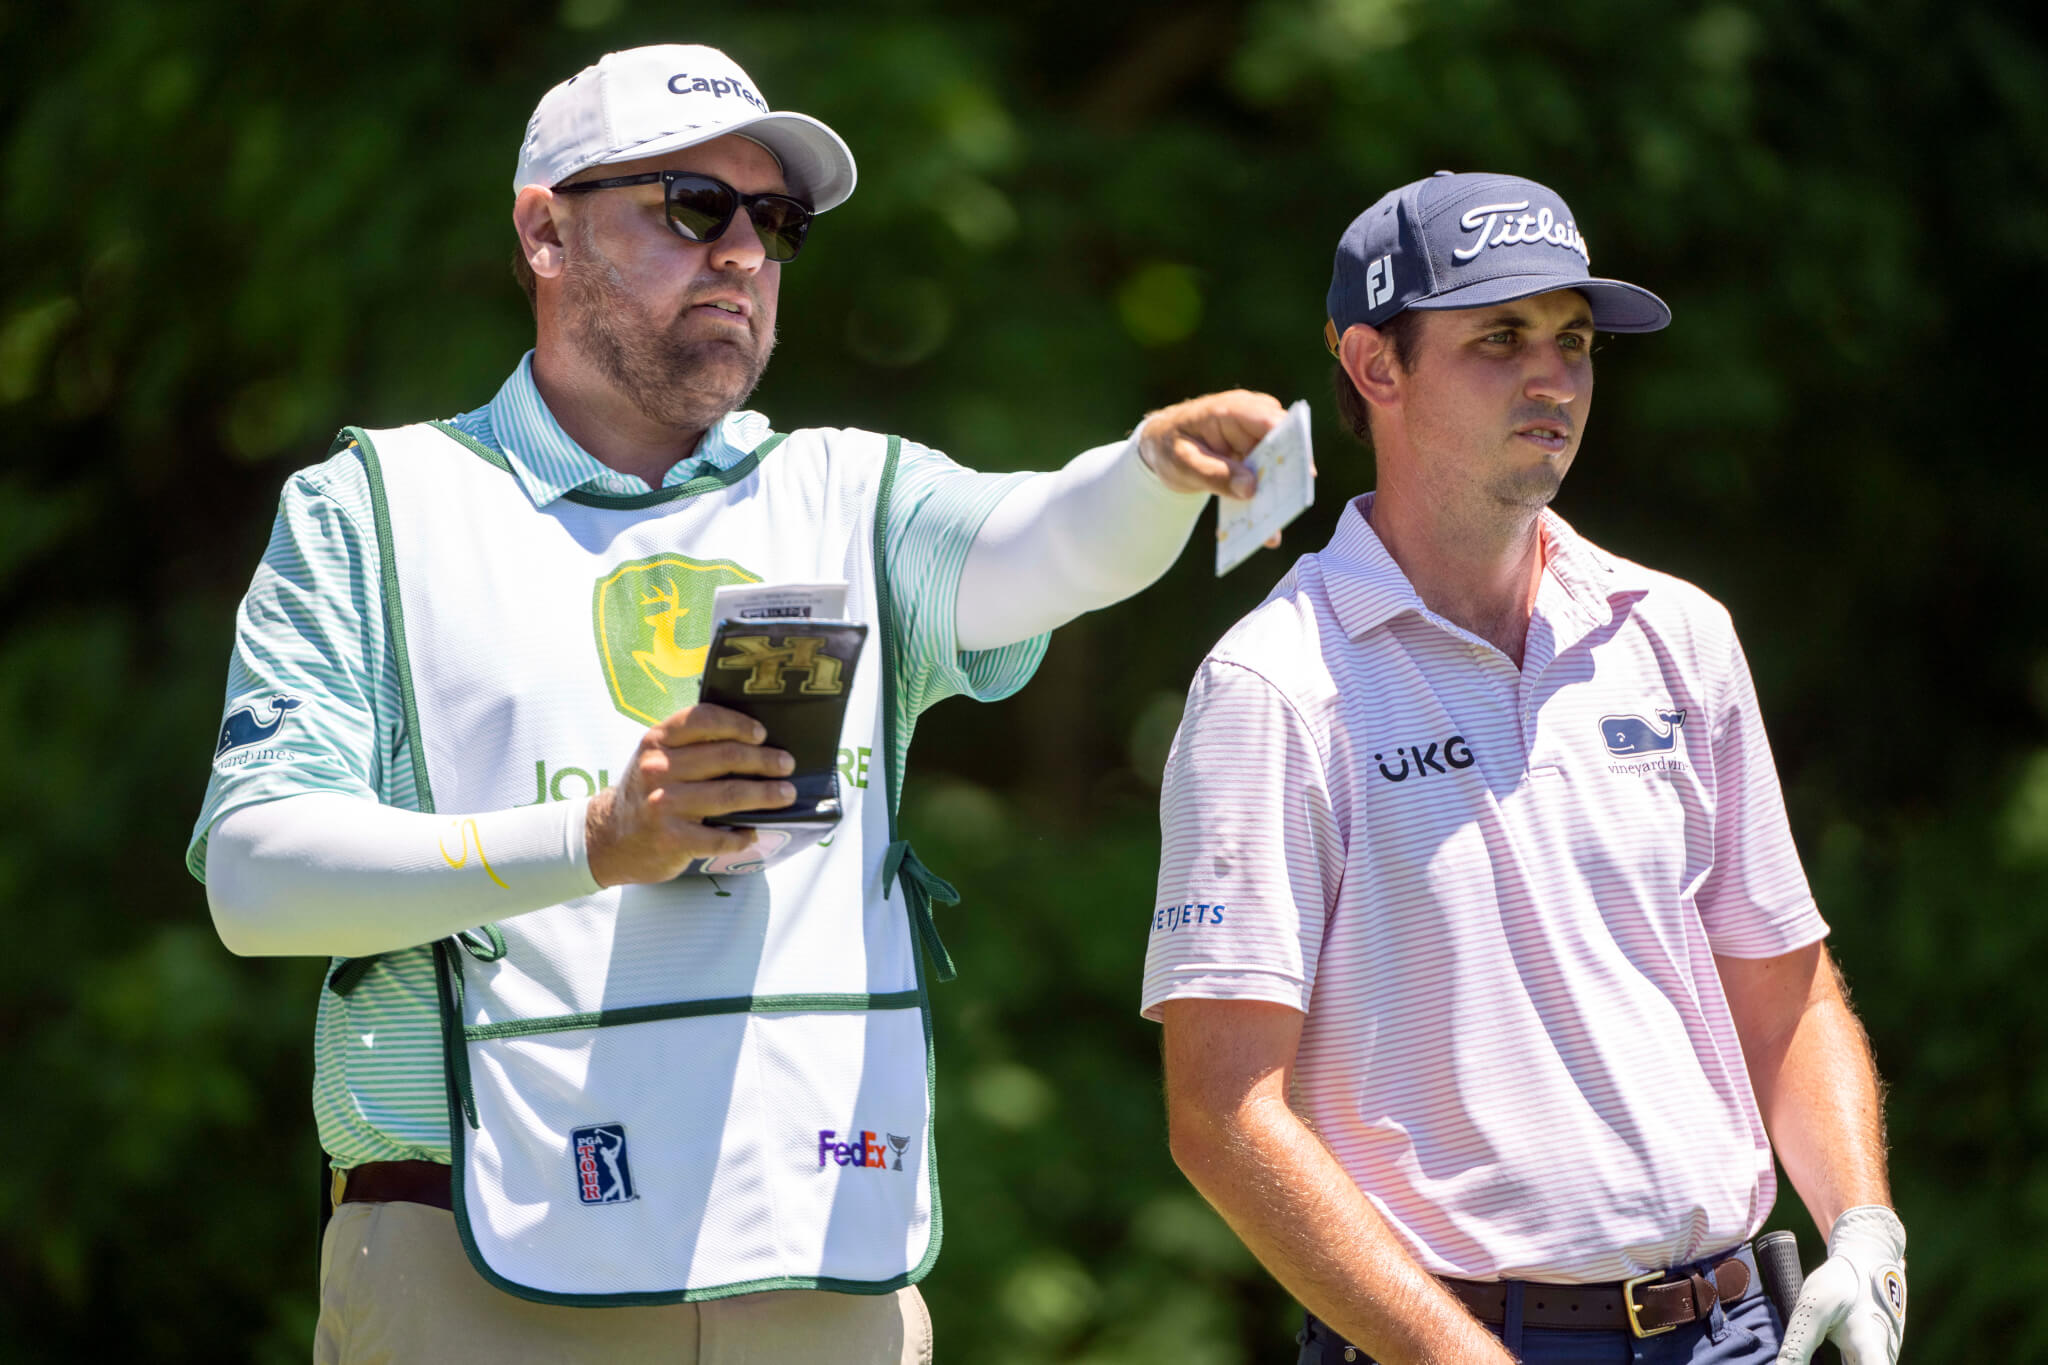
<point>389,1182</point>
<point>1638,1306</point>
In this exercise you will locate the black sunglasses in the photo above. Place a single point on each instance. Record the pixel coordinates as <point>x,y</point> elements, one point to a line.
<point>701,208</point>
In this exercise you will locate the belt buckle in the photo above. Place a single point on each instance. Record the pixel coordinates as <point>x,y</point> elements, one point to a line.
<point>1628,1303</point>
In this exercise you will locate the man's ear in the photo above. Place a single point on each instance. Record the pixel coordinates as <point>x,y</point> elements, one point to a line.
<point>537,217</point>
<point>1369,361</point>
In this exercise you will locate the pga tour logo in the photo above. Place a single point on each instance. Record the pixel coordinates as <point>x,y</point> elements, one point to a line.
<point>602,1175</point>
<point>860,1149</point>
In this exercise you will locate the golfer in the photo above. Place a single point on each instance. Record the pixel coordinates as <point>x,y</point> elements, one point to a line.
<point>1490,979</point>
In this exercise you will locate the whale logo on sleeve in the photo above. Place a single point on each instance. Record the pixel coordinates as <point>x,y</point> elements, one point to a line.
<point>242,729</point>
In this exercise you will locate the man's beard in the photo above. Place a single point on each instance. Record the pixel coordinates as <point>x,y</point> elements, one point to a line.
<point>682,384</point>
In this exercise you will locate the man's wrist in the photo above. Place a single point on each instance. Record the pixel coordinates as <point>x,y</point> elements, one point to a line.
<point>591,835</point>
<point>1146,475</point>
<point>1875,1224</point>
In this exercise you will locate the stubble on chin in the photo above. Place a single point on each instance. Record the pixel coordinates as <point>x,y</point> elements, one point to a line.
<point>679,382</point>
<point>1529,489</point>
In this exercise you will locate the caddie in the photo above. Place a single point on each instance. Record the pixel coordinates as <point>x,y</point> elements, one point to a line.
<point>1490,979</point>
<point>581,1046</point>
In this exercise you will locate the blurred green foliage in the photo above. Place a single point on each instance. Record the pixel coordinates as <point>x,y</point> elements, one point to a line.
<point>232,228</point>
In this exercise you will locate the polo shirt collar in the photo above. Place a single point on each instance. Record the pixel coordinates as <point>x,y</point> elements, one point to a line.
<point>1367,588</point>
<point>549,463</point>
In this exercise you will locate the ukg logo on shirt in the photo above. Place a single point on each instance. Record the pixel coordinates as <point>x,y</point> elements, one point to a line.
<point>862,1149</point>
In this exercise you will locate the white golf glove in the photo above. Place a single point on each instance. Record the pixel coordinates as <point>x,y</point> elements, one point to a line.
<point>1857,1299</point>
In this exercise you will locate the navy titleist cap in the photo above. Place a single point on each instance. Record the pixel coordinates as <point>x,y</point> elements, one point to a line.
<point>1466,241</point>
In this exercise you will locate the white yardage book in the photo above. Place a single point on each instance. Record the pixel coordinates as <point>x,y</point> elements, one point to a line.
<point>1286,489</point>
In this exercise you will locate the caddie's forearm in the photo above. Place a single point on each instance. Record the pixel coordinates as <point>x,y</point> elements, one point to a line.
<point>330,875</point>
<point>1822,1106</point>
<point>1286,1197</point>
<point>1070,541</point>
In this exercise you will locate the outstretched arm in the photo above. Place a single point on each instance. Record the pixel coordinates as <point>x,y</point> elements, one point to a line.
<point>1234,1135</point>
<point>1108,524</point>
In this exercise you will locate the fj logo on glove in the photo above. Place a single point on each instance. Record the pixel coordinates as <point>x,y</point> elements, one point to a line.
<point>1891,1287</point>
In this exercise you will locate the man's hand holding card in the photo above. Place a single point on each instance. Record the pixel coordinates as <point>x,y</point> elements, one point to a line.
<point>1243,447</point>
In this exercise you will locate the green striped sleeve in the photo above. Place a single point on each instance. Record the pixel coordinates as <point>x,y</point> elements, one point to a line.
<point>312,694</point>
<point>935,512</point>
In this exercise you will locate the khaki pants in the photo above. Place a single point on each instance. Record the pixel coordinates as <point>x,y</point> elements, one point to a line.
<point>396,1288</point>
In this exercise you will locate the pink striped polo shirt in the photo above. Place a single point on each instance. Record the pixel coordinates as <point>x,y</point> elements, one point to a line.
<point>1497,895</point>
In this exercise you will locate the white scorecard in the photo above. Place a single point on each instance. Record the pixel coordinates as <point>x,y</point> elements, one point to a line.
<point>1286,489</point>
<point>778,601</point>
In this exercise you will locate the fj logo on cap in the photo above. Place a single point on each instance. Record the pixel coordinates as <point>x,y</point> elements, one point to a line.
<point>1379,282</point>
<point>683,83</point>
<point>602,1175</point>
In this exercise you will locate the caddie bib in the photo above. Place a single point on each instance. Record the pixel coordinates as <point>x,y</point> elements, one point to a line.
<point>708,1087</point>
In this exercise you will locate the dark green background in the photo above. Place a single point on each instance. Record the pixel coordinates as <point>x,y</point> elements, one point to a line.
<point>230,228</point>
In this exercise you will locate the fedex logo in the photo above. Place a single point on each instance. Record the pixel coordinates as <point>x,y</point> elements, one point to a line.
<point>859,1149</point>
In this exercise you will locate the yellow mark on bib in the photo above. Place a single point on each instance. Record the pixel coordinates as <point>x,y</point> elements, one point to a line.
<point>469,832</point>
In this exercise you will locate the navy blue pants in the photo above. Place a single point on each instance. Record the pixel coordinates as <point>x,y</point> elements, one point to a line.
<point>1746,1332</point>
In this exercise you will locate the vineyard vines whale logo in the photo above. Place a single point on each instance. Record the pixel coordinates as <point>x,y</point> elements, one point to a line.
<point>241,728</point>
<point>1632,736</point>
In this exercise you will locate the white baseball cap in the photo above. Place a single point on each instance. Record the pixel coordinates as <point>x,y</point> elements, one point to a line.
<point>647,101</point>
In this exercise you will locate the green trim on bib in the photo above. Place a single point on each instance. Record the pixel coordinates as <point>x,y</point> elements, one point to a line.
<point>629,502</point>
<point>350,972</point>
<point>899,850</point>
<point>454,1051</point>
<point>394,611</point>
<point>693,1009</point>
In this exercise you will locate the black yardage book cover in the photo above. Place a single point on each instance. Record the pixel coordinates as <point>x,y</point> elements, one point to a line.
<point>794,676</point>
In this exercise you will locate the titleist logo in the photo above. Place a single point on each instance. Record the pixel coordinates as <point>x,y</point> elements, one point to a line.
<point>1511,224</point>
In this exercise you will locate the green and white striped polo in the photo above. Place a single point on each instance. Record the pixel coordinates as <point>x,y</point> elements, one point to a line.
<point>312,627</point>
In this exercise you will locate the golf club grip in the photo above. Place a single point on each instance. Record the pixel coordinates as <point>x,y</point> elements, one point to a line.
<point>1777,1262</point>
